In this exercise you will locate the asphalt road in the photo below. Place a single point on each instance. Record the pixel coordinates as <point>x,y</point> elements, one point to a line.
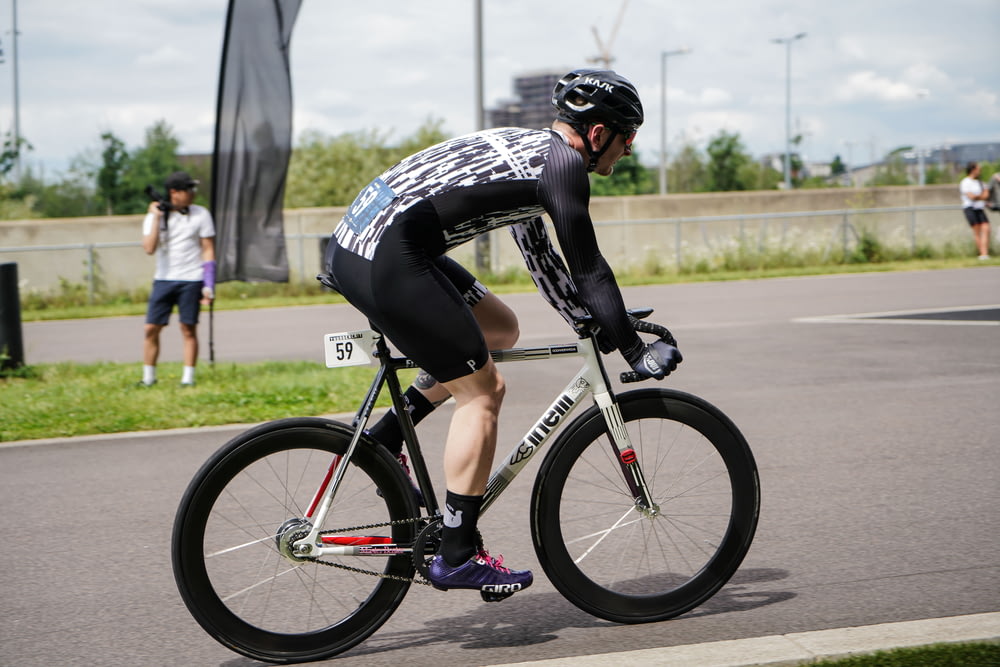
<point>877,441</point>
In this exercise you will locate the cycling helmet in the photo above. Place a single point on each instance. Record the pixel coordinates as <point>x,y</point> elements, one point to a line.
<point>588,96</point>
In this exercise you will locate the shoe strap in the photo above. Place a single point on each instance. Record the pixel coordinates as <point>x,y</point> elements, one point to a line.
<point>495,563</point>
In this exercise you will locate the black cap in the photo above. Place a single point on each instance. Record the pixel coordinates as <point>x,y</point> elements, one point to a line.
<point>181,180</point>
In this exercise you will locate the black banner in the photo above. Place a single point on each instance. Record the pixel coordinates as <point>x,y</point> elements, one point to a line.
<point>253,141</point>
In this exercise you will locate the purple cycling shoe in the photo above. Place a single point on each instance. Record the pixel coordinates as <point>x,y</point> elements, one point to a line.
<point>481,572</point>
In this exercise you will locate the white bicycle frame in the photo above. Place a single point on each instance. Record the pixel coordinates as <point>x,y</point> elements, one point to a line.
<point>590,379</point>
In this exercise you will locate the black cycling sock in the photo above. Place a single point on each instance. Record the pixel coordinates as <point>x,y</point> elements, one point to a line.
<point>387,430</point>
<point>459,538</point>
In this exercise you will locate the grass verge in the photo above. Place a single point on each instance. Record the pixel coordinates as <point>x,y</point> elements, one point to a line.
<point>67,399</point>
<point>980,654</point>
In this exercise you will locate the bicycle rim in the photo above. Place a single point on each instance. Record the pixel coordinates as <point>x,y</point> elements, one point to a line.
<point>619,563</point>
<point>226,558</point>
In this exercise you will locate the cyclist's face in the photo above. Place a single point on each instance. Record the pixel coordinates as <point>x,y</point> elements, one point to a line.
<point>621,145</point>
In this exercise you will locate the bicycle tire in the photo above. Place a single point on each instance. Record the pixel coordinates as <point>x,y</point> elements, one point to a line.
<point>226,559</point>
<point>620,565</point>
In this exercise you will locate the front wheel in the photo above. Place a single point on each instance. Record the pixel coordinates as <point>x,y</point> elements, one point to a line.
<point>631,564</point>
<point>232,559</point>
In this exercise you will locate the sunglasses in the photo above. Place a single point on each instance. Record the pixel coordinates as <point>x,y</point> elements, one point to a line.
<point>629,134</point>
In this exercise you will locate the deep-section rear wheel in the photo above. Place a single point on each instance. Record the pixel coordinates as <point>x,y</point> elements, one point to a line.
<point>236,527</point>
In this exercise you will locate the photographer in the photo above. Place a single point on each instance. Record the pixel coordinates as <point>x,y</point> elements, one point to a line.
<point>182,236</point>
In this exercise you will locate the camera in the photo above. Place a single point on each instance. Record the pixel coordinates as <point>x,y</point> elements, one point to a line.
<point>163,204</point>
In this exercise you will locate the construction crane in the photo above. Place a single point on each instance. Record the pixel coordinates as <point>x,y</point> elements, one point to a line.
<point>605,58</point>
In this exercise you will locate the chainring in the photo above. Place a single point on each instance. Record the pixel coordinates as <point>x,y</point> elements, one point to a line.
<point>426,545</point>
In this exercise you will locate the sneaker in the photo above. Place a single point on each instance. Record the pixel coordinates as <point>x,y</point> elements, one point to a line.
<point>481,572</point>
<point>142,384</point>
<point>984,257</point>
<point>416,489</point>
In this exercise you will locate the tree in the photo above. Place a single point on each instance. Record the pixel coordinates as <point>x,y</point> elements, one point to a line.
<point>757,176</point>
<point>110,177</point>
<point>727,162</point>
<point>148,165</point>
<point>13,147</point>
<point>628,178</point>
<point>687,172</point>
<point>330,171</point>
<point>892,171</point>
<point>837,167</point>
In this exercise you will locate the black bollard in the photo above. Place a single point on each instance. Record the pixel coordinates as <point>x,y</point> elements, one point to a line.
<point>11,343</point>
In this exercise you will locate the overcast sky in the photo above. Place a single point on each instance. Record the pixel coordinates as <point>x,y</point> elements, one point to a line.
<point>869,76</point>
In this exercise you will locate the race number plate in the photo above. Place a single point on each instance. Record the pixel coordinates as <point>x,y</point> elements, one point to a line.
<point>349,348</point>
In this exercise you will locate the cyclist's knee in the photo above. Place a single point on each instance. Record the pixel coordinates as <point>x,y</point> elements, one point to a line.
<point>504,338</point>
<point>498,322</point>
<point>486,386</point>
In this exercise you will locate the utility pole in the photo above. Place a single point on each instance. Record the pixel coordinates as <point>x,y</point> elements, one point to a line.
<point>483,250</point>
<point>17,105</point>
<point>663,113</point>
<point>787,41</point>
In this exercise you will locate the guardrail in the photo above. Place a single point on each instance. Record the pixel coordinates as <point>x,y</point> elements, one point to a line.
<point>677,243</point>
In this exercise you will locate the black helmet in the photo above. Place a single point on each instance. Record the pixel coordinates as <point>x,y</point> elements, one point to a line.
<point>586,96</point>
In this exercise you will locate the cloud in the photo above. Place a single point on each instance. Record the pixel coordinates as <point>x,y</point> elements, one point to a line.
<point>165,55</point>
<point>852,48</point>
<point>706,97</point>
<point>867,85</point>
<point>706,124</point>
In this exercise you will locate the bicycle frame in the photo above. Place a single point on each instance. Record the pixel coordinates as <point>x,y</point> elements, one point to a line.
<point>590,379</point>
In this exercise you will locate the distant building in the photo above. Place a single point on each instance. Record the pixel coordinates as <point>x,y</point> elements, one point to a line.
<point>532,108</point>
<point>949,158</point>
<point>955,156</point>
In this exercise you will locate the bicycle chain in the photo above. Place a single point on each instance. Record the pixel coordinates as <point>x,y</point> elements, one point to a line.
<point>357,570</point>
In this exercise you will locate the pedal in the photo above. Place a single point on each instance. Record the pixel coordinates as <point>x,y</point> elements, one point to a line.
<point>493,596</point>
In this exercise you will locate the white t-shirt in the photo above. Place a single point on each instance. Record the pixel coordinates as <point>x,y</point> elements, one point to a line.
<point>970,186</point>
<point>178,254</point>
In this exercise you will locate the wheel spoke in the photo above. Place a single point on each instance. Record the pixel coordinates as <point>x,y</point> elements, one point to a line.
<point>651,565</point>
<point>248,503</point>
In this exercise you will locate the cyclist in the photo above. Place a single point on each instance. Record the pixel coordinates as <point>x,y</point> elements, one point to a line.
<point>387,257</point>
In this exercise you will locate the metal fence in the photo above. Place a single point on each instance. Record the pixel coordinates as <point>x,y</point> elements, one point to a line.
<point>667,243</point>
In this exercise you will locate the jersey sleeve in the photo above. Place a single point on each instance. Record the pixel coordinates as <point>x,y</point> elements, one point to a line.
<point>564,191</point>
<point>547,269</point>
<point>206,224</point>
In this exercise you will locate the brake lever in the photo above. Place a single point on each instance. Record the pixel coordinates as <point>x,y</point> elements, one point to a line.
<point>642,326</point>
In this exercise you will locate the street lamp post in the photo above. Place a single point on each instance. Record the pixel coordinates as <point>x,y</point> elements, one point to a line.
<point>663,113</point>
<point>787,41</point>
<point>17,102</point>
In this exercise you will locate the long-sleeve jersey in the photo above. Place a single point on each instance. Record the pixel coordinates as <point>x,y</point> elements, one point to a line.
<point>496,178</point>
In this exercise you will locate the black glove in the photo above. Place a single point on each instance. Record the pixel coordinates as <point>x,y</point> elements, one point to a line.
<point>658,360</point>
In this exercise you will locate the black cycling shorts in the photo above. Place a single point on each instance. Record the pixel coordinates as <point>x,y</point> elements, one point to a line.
<point>975,216</point>
<point>421,302</point>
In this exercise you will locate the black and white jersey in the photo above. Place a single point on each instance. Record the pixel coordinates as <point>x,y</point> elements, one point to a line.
<point>496,178</point>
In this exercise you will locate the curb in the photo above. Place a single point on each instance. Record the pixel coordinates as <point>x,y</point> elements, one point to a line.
<point>800,647</point>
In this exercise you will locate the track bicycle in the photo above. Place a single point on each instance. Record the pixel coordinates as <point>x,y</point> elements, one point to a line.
<point>299,538</point>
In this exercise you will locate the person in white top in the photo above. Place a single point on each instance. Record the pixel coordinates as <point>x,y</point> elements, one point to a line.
<point>974,196</point>
<point>184,244</point>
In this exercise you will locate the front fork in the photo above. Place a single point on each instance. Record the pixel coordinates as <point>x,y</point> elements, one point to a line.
<point>626,456</point>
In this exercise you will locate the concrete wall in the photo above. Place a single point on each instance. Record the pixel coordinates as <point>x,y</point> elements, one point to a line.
<point>659,229</point>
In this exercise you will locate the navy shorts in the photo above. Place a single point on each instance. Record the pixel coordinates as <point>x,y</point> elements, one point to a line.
<point>185,294</point>
<point>975,216</point>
